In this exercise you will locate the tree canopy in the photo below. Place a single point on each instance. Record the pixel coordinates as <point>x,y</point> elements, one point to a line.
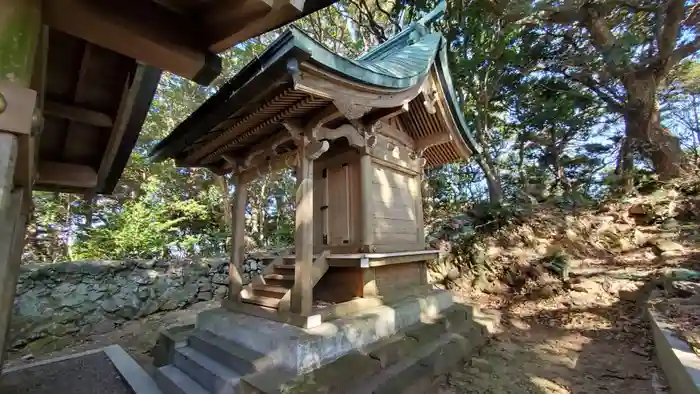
<point>568,99</point>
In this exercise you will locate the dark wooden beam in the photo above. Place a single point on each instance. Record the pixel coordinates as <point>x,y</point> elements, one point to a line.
<point>77,114</point>
<point>141,30</point>
<point>129,94</point>
<point>65,174</point>
<point>232,21</point>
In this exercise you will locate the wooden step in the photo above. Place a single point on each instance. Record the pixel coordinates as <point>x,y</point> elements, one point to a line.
<point>262,301</point>
<point>272,289</point>
<point>285,267</point>
<point>280,277</point>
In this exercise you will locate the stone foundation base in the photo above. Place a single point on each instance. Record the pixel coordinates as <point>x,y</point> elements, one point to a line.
<point>301,350</point>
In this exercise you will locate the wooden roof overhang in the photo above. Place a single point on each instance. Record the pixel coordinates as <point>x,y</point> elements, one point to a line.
<point>297,80</point>
<point>180,36</point>
<point>94,102</point>
<point>98,66</point>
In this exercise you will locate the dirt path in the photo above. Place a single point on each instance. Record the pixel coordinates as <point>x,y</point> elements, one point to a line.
<point>591,337</point>
<point>543,360</point>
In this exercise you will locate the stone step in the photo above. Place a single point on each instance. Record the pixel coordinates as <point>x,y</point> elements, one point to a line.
<point>285,277</point>
<point>261,300</point>
<point>171,380</point>
<point>211,375</point>
<point>419,372</point>
<point>414,360</point>
<point>228,353</point>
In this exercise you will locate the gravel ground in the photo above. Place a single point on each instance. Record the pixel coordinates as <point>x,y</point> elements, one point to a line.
<point>90,374</point>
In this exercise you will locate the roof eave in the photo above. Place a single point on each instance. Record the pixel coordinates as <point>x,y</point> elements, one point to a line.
<point>454,106</point>
<point>271,65</point>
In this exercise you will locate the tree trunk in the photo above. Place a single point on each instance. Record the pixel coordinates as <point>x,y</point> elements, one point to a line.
<point>625,166</point>
<point>643,128</point>
<point>493,181</point>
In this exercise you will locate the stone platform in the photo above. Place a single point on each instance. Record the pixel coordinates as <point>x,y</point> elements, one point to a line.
<point>301,350</point>
<point>385,347</point>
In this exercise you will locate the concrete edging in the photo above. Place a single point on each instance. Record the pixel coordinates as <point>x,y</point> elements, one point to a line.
<point>680,364</point>
<point>135,376</point>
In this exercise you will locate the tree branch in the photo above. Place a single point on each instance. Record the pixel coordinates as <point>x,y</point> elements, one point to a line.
<point>671,27</point>
<point>388,16</point>
<point>610,100</point>
<point>684,51</point>
<point>602,38</point>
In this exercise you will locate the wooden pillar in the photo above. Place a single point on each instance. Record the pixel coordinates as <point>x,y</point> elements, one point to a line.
<point>237,241</point>
<point>19,35</point>
<point>417,190</point>
<point>366,208</point>
<point>302,292</point>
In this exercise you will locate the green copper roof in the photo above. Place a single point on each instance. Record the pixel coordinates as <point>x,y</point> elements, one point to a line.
<point>399,63</point>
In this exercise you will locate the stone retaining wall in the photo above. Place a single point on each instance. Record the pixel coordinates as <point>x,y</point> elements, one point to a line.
<point>55,300</point>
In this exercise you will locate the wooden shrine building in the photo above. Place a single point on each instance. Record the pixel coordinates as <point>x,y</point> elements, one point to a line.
<point>359,133</point>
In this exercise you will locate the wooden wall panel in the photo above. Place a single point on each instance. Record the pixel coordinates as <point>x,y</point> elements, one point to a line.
<point>394,201</point>
<point>339,284</point>
<point>391,279</point>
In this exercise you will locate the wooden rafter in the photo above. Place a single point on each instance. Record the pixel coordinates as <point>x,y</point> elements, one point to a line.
<point>81,90</point>
<point>77,114</point>
<point>126,104</point>
<point>433,139</point>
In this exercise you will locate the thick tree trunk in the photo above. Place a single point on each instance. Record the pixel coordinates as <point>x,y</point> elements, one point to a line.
<point>493,180</point>
<point>643,128</point>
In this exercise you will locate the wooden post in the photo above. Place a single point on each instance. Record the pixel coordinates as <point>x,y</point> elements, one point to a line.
<point>366,209</point>
<point>237,241</point>
<point>417,190</point>
<point>302,292</point>
<point>19,36</point>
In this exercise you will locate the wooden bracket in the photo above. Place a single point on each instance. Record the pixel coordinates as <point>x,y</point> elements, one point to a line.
<point>316,148</point>
<point>430,102</point>
<point>431,96</point>
<point>352,110</point>
<point>348,131</point>
<point>269,147</point>
<point>326,115</point>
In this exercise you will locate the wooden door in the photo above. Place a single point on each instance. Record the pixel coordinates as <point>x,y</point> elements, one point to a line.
<point>338,212</point>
